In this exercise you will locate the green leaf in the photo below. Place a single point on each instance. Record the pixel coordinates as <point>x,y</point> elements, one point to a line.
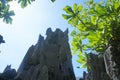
<point>92,11</point>
<point>6,8</point>
<point>66,16</point>
<point>81,27</point>
<point>73,21</point>
<point>75,7</point>
<point>90,1</point>
<point>93,37</point>
<point>11,13</point>
<point>101,2</point>
<point>29,1</point>
<point>100,9</point>
<point>84,65</point>
<point>80,8</point>
<point>7,20</point>
<point>93,19</point>
<point>7,17</point>
<point>73,33</point>
<point>19,1</point>
<point>116,5</point>
<point>53,0</point>
<point>1,15</point>
<point>68,10</point>
<point>81,59</point>
<point>24,3</point>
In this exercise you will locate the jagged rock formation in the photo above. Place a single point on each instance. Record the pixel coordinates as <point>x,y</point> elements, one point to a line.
<point>97,69</point>
<point>8,73</point>
<point>112,62</point>
<point>1,39</point>
<point>49,59</point>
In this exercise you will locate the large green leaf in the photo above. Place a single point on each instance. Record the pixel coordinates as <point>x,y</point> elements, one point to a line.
<point>24,3</point>
<point>73,21</point>
<point>7,17</point>
<point>66,16</point>
<point>93,19</point>
<point>75,7</point>
<point>80,8</point>
<point>116,5</point>
<point>84,65</point>
<point>100,10</point>
<point>68,9</point>
<point>7,20</point>
<point>11,13</point>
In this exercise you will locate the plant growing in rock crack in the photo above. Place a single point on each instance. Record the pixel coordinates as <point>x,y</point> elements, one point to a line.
<point>97,22</point>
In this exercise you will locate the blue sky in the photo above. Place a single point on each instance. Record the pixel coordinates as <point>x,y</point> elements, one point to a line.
<point>27,24</point>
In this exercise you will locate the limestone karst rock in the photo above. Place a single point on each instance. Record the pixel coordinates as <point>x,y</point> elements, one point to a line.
<point>97,69</point>
<point>8,73</point>
<point>112,67</point>
<point>49,59</point>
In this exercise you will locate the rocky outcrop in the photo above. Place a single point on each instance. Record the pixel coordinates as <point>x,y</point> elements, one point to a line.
<point>1,39</point>
<point>97,69</point>
<point>104,66</point>
<point>112,62</point>
<point>49,59</point>
<point>8,73</point>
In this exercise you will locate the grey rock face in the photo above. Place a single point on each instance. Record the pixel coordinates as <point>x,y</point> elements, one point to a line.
<point>97,68</point>
<point>8,73</point>
<point>112,67</point>
<point>49,59</point>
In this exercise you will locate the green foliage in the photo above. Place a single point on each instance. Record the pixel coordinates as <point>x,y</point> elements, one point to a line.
<point>98,22</point>
<point>53,0</point>
<point>5,12</point>
<point>24,3</point>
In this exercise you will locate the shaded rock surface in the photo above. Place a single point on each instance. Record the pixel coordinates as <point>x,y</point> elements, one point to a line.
<point>49,59</point>
<point>8,73</point>
<point>97,69</point>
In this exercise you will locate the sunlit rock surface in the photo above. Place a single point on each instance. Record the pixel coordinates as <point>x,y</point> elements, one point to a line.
<point>112,62</point>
